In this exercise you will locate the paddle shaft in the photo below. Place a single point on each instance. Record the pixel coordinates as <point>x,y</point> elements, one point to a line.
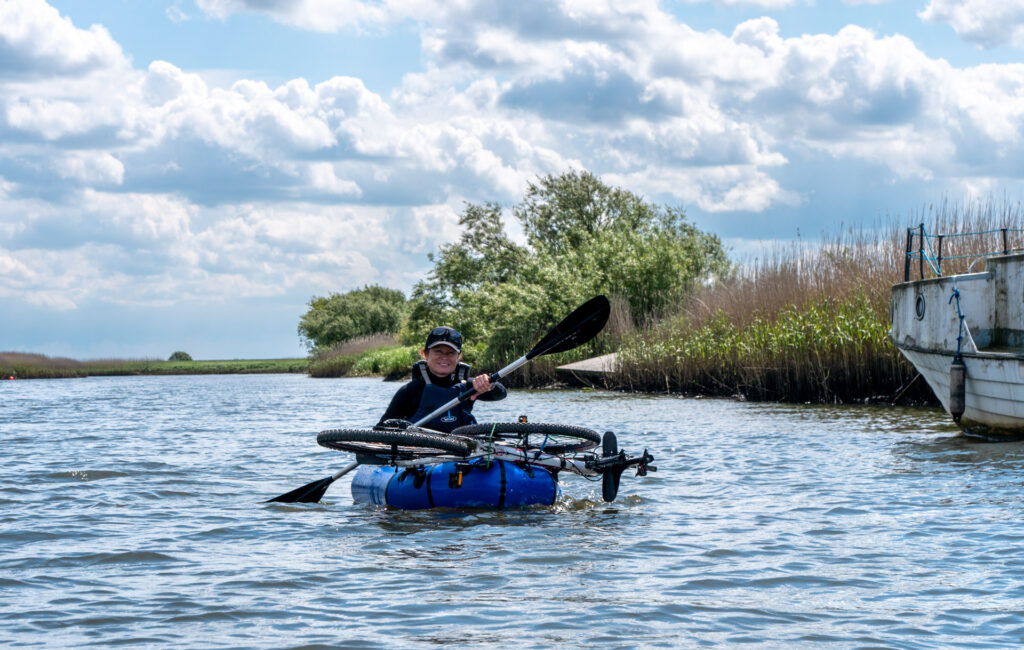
<point>465,396</point>
<point>345,470</point>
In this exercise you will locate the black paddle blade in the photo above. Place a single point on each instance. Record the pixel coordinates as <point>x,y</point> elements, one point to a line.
<point>309,493</point>
<point>577,328</point>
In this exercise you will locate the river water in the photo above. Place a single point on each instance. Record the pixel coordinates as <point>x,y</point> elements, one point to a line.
<point>131,514</point>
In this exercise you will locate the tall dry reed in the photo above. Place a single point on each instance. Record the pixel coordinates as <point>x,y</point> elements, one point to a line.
<point>968,234</point>
<point>808,323</point>
<point>26,365</point>
<point>356,346</point>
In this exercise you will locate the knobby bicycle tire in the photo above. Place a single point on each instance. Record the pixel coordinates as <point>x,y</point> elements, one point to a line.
<point>393,444</point>
<point>551,438</point>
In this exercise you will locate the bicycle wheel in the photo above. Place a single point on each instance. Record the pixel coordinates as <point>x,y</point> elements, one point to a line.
<point>551,438</point>
<point>393,444</point>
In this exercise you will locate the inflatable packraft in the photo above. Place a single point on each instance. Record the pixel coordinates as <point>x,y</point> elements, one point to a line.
<point>476,484</point>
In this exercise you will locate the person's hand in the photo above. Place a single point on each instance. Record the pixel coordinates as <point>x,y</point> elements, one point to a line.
<point>482,384</point>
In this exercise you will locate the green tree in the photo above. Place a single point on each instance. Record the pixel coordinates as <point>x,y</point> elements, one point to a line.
<point>343,316</point>
<point>180,356</point>
<point>613,241</point>
<point>561,213</point>
<point>584,238</point>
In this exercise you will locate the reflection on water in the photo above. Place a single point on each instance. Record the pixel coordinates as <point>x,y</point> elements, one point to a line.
<point>132,514</point>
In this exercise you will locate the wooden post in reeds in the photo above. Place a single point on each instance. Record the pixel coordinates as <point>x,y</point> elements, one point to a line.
<point>939,261</point>
<point>1006,247</point>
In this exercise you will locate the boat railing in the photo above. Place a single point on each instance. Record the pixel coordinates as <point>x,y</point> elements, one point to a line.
<point>927,248</point>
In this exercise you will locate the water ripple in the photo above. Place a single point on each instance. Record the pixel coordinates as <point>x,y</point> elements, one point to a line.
<point>131,514</point>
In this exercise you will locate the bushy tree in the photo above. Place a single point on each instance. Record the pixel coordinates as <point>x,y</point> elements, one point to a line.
<point>563,213</point>
<point>343,316</point>
<point>584,238</point>
<point>180,356</point>
<point>612,241</point>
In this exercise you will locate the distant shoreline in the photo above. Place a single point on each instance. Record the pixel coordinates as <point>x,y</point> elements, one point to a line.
<point>34,366</point>
<point>390,363</point>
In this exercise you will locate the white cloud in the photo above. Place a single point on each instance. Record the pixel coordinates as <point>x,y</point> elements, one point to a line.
<point>323,176</point>
<point>763,4</point>
<point>314,15</point>
<point>56,280</point>
<point>90,168</point>
<point>147,221</point>
<point>36,42</point>
<point>778,4</point>
<point>51,300</point>
<point>713,189</point>
<point>13,271</point>
<point>176,14</point>
<point>988,23</point>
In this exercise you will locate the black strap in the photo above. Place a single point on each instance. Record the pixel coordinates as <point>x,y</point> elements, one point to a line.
<point>461,371</point>
<point>430,495</point>
<point>501,493</point>
<point>422,366</point>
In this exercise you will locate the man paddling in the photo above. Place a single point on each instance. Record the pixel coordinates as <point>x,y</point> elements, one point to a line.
<point>438,378</point>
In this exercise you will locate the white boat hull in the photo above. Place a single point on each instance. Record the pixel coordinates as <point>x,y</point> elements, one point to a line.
<point>994,390</point>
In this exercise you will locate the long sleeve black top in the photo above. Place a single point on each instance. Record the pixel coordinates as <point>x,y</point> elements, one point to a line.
<point>406,401</point>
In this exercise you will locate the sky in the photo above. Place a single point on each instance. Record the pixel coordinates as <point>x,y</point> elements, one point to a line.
<point>188,174</point>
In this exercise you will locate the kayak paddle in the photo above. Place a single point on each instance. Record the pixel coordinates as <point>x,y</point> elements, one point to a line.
<point>582,325</point>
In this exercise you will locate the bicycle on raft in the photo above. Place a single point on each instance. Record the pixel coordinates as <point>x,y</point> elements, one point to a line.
<point>500,464</point>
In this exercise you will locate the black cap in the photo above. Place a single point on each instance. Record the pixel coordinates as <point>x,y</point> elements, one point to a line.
<point>445,336</point>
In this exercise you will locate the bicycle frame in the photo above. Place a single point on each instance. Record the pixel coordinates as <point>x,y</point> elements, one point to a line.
<point>500,452</point>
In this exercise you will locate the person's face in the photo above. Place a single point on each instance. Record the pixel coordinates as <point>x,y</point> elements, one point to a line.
<point>441,360</point>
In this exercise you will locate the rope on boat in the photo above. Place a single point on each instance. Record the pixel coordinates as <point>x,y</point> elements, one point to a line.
<point>960,314</point>
<point>957,371</point>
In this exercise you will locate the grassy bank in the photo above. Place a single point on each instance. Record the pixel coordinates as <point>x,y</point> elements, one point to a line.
<point>390,362</point>
<point>804,324</point>
<point>377,354</point>
<point>37,366</point>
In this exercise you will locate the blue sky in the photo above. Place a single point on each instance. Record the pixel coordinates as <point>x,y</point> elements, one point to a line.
<point>186,174</point>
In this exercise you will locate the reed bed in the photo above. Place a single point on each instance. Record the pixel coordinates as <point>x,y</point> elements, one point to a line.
<point>808,323</point>
<point>24,365</point>
<point>21,365</point>
<point>356,346</point>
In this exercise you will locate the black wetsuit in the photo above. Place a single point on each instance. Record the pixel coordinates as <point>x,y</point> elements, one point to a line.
<point>407,400</point>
